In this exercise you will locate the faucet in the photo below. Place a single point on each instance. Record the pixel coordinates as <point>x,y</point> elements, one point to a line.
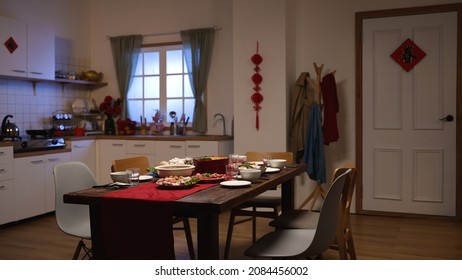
<point>223,119</point>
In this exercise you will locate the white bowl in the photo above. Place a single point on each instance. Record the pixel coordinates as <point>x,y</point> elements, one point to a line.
<point>119,176</point>
<point>250,174</point>
<point>277,163</point>
<point>174,170</point>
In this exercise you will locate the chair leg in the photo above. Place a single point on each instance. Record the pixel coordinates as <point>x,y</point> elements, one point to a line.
<point>351,246</point>
<point>189,240</point>
<point>229,235</point>
<point>254,225</point>
<point>77,250</point>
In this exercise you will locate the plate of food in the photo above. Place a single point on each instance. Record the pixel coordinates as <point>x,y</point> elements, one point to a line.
<point>176,182</point>
<point>236,183</point>
<point>206,178</point>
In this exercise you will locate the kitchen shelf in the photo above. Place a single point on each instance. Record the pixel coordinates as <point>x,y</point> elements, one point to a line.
<point>90,85</point>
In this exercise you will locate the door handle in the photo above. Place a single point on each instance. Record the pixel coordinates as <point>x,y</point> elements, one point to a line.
<point>448,118</point>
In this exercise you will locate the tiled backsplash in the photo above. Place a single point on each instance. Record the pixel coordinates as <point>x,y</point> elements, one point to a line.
<point>34,109</point>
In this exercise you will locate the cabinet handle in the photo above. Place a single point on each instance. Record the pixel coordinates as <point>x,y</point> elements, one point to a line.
<point>194,146</point>
<point>53,159</point>
<point>36,161</point>
<point>2,170</point>
<point>2,153</point>
<point>2,187</point>
<point>140,145</point>
<point>117,145</point>
<point>19,71</point>
<point>36,73</point>
<point>176,146</point>
<point>78,146</point>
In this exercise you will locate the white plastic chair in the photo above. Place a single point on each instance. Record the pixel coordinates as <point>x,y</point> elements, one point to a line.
<point>305,243</point>
<point>71,218</point>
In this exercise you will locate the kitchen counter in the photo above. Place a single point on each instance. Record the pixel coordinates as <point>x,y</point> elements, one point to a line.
<point>155,137</point>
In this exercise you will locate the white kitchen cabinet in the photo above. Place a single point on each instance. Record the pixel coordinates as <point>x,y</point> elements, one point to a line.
<point>142,148</point>
<point>34,184</point>
<point>208,148</point>
<point>6,185</point>
<point>50,162</point>
<point>109,150</point>
<point>33,50</point>
<point>84,151</point>
<point>40,52</point>
<point>13,61</point>
<point>166,150</point>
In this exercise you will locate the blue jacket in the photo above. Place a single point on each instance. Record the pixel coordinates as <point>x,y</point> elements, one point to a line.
<point>314,149</point>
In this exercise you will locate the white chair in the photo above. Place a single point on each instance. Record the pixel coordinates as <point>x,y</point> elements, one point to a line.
<point>71,218</point>
<point>305,243</point>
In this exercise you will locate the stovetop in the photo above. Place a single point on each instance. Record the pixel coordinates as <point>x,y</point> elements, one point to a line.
<point>38,145</point>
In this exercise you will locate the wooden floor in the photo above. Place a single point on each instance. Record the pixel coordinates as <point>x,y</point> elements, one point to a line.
<point>384,238</point>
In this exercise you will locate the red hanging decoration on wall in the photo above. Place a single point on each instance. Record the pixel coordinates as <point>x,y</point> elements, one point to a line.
<point>257,97</point>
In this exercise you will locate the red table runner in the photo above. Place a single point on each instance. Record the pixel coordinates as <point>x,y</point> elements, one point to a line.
<point>136,223</point>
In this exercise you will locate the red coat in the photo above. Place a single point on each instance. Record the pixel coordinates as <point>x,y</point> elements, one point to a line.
<point>331,108</point>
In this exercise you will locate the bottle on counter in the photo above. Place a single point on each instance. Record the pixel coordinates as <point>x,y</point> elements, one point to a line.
<point>172,128</point>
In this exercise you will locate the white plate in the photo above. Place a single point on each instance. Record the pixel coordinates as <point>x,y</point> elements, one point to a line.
<point>145,177</point>
<point>235,183</point>
<point>272,170</point>
<point>79,106</point>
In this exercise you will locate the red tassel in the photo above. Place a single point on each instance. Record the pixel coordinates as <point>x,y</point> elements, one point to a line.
<point>257,122</point>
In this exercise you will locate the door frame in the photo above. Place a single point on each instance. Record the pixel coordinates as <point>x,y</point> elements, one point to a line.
<point>360,16</point>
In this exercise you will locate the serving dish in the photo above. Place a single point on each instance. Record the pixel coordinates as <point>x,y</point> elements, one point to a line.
<point>174,170</point>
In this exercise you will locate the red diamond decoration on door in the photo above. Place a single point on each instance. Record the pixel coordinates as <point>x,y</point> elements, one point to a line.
<point>11,45</point>
<point>408,55</point>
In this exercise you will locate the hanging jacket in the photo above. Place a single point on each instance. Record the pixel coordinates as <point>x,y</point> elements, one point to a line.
<point>314,151</point>
<point>302,96</point>
<point>330,109</point>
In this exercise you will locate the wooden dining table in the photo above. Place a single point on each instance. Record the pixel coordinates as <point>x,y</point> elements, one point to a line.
<point>205,205</point>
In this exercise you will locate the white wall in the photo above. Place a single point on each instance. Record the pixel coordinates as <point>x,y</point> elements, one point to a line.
<point>263,21</point>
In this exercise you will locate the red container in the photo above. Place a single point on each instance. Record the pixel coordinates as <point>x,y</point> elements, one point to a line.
<point>79,131</point>
<point>210,165</point>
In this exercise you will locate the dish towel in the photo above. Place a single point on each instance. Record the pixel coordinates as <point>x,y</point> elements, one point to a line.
<point>136,223</point>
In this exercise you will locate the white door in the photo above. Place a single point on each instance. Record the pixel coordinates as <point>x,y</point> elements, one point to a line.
<point>409,154</point>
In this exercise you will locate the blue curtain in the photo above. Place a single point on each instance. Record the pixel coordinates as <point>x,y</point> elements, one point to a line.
<point>198,46</point>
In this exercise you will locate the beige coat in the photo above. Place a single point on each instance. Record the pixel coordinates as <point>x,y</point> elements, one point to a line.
<point>302,96</point>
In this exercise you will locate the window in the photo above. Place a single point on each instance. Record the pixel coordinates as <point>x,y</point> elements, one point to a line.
<point>161,82</point>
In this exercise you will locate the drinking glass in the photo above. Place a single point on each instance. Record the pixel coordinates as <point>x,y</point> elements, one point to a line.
<point>233,158</point>
<point>266,160</point>
<point>133,176</point>
<point>232,170</point>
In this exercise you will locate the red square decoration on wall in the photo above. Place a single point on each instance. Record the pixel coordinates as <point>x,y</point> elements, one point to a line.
<point>11,45</point>
<point>408,55</point>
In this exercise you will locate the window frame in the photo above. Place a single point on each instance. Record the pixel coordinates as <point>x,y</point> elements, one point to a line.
<point>162,99</point>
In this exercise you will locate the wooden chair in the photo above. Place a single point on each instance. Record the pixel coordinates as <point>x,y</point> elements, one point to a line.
<point>305,243</point>
<point>142,162</point>
<point>251,208</point>
<point>305,219</point>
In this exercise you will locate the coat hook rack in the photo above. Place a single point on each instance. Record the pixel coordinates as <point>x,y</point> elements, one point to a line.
<point>316,85</point>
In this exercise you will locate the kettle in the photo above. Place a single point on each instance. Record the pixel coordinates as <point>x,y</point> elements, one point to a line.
<point>9,129</point>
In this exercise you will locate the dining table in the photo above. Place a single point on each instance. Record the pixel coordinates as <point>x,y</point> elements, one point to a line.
<point>205,205</point>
